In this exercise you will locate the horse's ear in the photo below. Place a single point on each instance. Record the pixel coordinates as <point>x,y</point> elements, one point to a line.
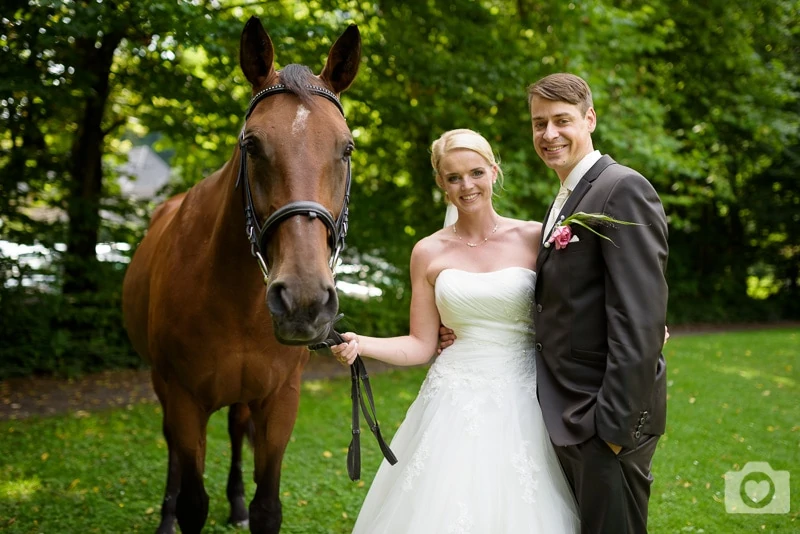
<point>256,53</point>
<point>343,60</point>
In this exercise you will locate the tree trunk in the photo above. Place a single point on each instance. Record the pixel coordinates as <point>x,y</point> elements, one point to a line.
<point>86,170</point>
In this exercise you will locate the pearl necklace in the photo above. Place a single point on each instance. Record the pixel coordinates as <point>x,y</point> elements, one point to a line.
<point>473,245</point>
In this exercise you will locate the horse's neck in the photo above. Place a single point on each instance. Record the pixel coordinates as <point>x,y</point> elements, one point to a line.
<point>227,247</point>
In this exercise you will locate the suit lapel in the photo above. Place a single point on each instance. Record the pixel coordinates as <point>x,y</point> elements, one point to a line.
<point>569,206</point>
<point>577,195</point>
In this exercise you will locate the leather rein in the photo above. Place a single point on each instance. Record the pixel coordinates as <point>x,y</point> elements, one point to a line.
<point>258,235</point>
<point>359,379</point>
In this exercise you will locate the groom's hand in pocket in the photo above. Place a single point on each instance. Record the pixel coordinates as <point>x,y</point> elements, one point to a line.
<point>446,338</point>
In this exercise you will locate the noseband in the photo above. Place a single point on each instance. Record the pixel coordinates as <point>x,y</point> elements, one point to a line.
<point>258,234</point>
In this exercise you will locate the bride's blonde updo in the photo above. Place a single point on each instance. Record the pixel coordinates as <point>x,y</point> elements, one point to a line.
<point>462,138</point>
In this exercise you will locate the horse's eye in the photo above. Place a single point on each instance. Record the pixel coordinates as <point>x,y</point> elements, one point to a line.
<point>250,146</point>
<point>348,150</point>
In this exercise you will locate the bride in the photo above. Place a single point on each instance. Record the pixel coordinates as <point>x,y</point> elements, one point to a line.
<point>473,452</point>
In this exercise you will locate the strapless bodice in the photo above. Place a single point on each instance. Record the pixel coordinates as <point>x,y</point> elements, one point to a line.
<point>490,314</point>
<point>487,308</point>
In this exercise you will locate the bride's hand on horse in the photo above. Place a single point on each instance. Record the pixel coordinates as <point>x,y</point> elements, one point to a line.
<point>346,353</point>
<point>446,338</point>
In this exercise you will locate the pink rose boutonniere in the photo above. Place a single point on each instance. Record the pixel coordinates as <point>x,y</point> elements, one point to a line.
<point>562,234</point>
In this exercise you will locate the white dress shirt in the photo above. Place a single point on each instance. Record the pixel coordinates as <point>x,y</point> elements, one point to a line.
<point>570,184</point>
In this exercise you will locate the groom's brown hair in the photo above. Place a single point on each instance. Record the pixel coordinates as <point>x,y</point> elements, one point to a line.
<point>563,87</point>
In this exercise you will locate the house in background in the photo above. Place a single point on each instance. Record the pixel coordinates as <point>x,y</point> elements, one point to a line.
<point>141,178</point>
<point>144,174</point>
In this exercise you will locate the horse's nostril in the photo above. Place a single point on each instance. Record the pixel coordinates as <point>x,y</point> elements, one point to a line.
<point>279,301</point>
<point>331,302</point>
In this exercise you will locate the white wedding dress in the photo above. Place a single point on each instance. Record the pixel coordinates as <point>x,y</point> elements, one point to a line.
<point>473,453</point>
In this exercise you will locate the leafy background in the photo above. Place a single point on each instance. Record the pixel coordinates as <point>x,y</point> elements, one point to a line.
<point>702,98</point>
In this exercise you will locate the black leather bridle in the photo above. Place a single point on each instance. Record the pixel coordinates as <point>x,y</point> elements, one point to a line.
<point>258,235</point>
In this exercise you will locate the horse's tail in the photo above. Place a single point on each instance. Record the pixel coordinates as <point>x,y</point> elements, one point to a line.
<point>240,423</point>
<point>251,433</point>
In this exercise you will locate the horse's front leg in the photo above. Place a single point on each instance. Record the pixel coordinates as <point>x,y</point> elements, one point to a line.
<point>274,420</point>
<point>185,424</point>
<point>167,524</point>
<point>239,425</point>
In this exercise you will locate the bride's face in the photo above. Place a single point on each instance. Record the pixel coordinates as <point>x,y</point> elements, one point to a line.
<point>467,178</point>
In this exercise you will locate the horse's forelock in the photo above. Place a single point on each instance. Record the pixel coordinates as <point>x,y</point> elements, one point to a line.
<point>295,78</point>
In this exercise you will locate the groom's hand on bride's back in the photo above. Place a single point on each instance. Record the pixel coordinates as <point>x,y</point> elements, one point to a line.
<point>446,338</point>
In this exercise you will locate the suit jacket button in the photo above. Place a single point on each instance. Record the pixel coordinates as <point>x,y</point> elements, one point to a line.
<point>539,347</point>
<point>539,308</point>
<point>637,434</point>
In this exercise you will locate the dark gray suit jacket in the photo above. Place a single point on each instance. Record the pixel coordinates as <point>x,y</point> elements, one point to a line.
<point>600,312</point>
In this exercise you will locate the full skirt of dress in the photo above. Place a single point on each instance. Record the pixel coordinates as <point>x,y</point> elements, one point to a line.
<point>474,456</point>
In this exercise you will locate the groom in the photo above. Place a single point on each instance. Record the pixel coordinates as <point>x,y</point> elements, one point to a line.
<point>599,312</point>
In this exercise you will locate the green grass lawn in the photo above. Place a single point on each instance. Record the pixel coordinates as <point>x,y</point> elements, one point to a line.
<point>733,398</point>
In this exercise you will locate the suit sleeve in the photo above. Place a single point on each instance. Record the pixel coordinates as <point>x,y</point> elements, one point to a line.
<point>636,305</point>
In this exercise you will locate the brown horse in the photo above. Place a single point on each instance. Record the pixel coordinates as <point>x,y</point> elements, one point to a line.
<point>222,328</point>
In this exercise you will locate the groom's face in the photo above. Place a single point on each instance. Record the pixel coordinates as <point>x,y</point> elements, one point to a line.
<point>562,134</point>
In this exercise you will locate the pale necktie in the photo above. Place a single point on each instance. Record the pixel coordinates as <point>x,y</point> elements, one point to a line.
<point>561,198</point>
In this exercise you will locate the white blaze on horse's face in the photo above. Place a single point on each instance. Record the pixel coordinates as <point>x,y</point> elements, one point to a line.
<point>299,123</point>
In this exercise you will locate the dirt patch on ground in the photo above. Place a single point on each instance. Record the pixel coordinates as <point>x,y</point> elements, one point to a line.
<point>21,398</point>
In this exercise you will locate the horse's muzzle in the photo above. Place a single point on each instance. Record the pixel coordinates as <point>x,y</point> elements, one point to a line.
<point>300,317</point>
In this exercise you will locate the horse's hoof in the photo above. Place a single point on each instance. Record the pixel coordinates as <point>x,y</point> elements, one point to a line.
<point>244,524</point>
<point>240,517</point>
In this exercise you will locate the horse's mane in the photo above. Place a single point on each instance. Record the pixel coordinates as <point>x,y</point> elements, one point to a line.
<point>295,78</point>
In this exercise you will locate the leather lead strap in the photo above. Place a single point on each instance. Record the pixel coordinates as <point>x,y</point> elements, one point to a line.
<point>354,449</point>
<point>369,414</point>
<point>359,379</point>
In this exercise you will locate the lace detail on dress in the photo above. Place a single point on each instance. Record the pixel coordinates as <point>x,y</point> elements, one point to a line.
<point>417,463</point>
<point>530,384</point>
<point>464,523</point>
<point>526,469</point>
<point>491,377</point>
<point>472,414</point>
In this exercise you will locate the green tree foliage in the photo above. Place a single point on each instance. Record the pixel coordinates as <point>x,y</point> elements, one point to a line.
<point>74,78</point>
<point>702,98</point>
<point>731,87</point>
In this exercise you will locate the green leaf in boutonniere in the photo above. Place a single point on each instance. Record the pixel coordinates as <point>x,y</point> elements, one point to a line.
<point>562,234</point>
